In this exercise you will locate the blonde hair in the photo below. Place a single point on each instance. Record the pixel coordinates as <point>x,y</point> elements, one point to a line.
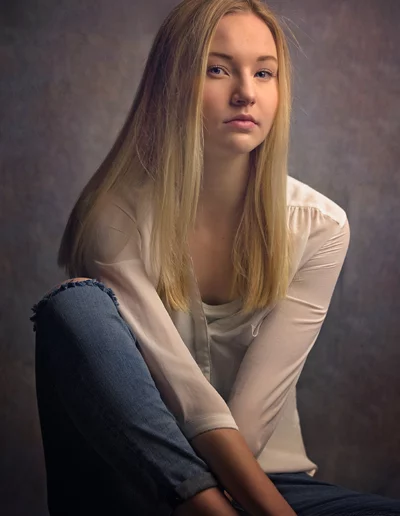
<point>159,150</point>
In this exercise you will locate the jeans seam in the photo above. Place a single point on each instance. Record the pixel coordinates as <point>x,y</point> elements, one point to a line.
<point>64,286</point>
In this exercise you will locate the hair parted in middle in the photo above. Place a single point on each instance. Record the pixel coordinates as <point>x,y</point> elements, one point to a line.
<point>159,153</point>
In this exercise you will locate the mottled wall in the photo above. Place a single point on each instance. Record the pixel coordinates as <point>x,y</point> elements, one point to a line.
<point>69,70</point>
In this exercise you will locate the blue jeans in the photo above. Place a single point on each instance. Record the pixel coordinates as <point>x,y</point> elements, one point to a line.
<point>111,445</point>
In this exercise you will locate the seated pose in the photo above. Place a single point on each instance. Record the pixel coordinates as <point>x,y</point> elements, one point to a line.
<point>200,276</point>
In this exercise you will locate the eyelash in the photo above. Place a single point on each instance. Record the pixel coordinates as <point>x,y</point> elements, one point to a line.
<point>271,74</point>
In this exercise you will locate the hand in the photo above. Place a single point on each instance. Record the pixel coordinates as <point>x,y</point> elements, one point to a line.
<point>231,500</point>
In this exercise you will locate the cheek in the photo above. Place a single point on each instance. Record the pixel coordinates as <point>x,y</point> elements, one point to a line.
<point>209,108</point>
<point>209,100</point>
<point>271,105</point>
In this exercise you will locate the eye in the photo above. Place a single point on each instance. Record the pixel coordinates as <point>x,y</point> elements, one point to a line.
<point>269,73</point>
<point>214,68</point>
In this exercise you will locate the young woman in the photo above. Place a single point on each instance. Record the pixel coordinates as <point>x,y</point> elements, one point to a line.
<point>200,277</point>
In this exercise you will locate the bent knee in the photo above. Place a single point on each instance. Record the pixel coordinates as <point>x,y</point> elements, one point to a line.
<point>71,280</point>
<point>66,286</point>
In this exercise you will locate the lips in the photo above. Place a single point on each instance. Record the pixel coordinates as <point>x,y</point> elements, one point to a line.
<point>246,118</point>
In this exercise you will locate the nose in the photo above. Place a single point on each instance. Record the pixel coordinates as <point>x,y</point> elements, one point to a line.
<point>244,94</point>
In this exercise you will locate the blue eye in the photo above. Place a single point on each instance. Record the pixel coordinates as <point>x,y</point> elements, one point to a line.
<point>267,72</point>
<point>214,67</point>
<point>270,74</point>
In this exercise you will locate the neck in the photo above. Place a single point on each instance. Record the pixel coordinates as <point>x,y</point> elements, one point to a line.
<point>223,191</point>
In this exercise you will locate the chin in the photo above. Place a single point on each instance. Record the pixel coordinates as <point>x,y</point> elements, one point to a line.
<point>243,147</point>
<point>234,145</point>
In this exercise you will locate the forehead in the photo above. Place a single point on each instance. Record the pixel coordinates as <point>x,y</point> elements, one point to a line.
<point>243,34</point>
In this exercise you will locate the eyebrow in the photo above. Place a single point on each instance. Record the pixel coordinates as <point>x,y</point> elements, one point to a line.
<point>231,58</point>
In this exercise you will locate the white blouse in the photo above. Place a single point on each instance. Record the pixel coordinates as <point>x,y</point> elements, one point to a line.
<point>215,368</point>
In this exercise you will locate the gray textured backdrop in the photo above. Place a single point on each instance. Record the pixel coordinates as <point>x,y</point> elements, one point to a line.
<point>69,73</point>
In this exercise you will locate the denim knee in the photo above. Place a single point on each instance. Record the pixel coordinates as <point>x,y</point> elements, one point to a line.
<point>38,307</point>
<point>86,354</point>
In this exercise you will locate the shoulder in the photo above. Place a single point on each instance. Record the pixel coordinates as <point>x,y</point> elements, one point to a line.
<point>315,221</point>
<point>303,196</point>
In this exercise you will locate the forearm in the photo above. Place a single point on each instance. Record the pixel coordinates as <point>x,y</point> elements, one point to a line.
<point>231,461</point>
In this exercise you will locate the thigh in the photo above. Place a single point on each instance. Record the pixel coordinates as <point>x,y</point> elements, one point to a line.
<point>310,497</point>
<point>108,437</point>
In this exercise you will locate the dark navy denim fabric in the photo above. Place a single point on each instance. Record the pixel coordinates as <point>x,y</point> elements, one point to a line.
<point>311,497</point>
<point>111,445</point>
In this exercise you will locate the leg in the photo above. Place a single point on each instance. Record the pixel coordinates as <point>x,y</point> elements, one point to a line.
<point>311,497</point>
<point>109,440</point>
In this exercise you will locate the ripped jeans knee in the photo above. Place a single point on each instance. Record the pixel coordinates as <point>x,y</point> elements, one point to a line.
<point>72,283</point>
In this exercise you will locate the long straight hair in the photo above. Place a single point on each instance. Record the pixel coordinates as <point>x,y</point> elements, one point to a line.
<point>159,152</point>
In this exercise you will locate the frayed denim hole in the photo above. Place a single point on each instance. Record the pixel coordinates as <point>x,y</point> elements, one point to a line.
<point>70,284</point>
